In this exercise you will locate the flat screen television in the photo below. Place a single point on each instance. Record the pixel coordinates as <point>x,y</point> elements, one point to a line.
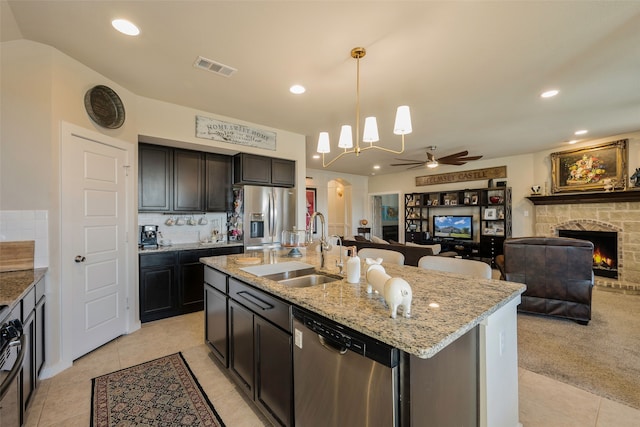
<point>453,227</point>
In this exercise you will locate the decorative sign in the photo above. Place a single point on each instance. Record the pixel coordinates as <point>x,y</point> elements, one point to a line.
<point>470,175</point>
<point>234,133</point>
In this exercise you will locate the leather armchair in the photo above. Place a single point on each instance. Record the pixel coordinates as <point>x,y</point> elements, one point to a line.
<point>558,272</point>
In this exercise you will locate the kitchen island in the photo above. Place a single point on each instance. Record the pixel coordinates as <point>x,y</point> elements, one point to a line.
<point>447,309</point>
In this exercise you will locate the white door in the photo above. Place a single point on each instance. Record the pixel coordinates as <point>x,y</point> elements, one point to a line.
<point>94,249</point>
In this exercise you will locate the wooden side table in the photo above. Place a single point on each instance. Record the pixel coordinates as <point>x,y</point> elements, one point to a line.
<point>365,232</point>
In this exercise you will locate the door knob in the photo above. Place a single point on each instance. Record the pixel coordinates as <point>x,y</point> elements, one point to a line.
<point>80,258</point>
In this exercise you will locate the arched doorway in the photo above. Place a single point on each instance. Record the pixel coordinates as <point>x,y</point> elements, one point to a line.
<point>339,200</point>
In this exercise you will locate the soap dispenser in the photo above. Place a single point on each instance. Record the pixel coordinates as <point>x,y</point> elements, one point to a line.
<point>353,266</point>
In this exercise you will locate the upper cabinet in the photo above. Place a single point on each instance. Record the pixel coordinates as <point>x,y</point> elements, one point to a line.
<point>176,180</point>
<point>218,190</point>
<point>188,181</point>
<point>155,178</point>
<point>261,170</point>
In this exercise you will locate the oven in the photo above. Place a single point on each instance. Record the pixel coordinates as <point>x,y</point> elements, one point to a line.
<point>12,350</point>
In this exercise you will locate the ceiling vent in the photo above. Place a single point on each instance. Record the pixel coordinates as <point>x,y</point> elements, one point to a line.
<point>214,67</point>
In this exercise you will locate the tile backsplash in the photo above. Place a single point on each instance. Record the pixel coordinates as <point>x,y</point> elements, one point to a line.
<point>181,231</point>
<point>27,225</point>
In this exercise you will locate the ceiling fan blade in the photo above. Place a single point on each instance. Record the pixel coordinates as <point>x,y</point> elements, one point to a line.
<point>416,166</point>
<point>405,160</point>
<point>453,156</point>
<point>408,164</point>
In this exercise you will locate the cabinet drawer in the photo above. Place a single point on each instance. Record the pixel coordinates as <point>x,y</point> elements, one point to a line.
<point>154,260</point>
<point>216,279</point>
<point>261,303</point>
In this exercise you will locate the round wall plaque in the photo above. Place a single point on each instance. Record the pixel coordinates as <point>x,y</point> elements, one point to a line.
<point>104,106</point>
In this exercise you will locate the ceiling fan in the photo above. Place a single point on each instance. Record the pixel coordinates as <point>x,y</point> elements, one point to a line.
<point>456,159</point>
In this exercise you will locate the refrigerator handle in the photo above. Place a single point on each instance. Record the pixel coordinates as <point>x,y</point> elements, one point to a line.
<point>272,219</point>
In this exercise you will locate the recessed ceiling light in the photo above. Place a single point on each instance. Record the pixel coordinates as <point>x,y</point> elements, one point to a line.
<point>581,132</point>
<point>297,89</point>
<point>316,156</point>
<point>376,166</point>
<point>573,141</point>
<point>125,27</point>
<point>549,93</point>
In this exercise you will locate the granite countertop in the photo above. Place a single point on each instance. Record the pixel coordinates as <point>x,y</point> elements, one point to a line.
<point>14,284</point>
<point>445,305</point>
<point>189,246</point>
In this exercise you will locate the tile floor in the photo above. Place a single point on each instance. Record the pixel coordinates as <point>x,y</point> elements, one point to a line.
<point>64,400</point>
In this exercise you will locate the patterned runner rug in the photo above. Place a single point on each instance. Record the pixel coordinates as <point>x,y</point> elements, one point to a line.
<point>162,392</point>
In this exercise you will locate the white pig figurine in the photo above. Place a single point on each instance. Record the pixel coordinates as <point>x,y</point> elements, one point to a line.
<point>396,291</point>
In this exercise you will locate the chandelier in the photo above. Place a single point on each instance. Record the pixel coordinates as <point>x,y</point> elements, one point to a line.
<point>401,127</point>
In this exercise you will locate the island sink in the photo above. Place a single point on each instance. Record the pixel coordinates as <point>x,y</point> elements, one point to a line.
<point>303,278</point>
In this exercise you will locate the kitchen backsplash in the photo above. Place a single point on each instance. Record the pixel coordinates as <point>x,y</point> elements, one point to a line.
<point>27,225</point>
<point>179,229</point>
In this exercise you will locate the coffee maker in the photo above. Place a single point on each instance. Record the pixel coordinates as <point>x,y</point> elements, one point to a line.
<point>148,237</point>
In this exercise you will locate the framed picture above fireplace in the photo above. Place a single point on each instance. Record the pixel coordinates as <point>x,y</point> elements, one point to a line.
<point>590,168</point>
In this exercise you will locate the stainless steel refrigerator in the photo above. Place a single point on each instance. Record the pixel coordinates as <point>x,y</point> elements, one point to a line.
<point>267,211</point>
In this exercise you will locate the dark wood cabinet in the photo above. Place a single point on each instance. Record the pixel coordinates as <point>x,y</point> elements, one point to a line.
<point>283,172</point>
<point>177,180</point>
<point>155,178</point>
<point>218,189</point>
<point>241,350</point>
<point>273,371</point>
<point>251,169</point>
<point>261,170</point>
<point>188,181</point>
<point>216,301</point>
<point>158,286</point>
<point>172,283</point>
<point>28,364</point>
<point>260,350</point>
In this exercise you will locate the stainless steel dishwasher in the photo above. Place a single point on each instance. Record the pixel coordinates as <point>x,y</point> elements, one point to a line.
<point>342,377</point>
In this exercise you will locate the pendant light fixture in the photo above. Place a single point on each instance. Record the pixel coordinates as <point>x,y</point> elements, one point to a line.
<point>370,133</point>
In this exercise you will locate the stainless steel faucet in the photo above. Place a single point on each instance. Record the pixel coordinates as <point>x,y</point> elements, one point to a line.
<point>324,245</point>
<point>339,262</point>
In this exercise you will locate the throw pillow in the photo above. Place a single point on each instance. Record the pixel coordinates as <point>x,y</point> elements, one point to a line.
<point>434,248</point>
<point>375,239</point>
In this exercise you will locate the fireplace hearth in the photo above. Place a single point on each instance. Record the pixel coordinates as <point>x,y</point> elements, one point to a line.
<point>605,250</point>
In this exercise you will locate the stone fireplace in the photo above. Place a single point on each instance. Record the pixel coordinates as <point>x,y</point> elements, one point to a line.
<point>617,212</point>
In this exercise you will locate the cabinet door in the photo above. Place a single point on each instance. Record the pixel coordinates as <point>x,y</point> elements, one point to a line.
<point>28,364</point>
<point>241,348</point>
<point>39,336</point>
<point>216,332</point>
<point>283,172</point>
<point>218,191</point>
<point>274,372</point>
<point>158,294</point>
<point>251,169</point>
<point>188,188</point>
<point>154,178</point>
<point>191,280</point>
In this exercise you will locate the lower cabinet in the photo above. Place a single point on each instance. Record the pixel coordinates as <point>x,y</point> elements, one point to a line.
<point>171,282</point>
<point>30,311</point>
<point>259,343</point>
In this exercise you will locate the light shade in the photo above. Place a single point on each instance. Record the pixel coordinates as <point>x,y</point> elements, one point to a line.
<point>403,121</point>
<point>346,137</point>
<point>370,133</point>
<point>323,143</point>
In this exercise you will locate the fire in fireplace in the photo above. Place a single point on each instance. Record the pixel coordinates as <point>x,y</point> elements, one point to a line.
<point>605,250</point>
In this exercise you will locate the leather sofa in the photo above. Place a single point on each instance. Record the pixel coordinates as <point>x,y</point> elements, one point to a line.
<point>411,253</point>
<point>558,272</point>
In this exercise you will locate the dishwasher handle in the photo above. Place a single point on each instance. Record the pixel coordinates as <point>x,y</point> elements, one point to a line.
<point>332,345</point>
<point>4,387</point>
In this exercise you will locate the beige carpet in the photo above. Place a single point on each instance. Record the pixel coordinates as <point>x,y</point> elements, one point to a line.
<point>602,358</point>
